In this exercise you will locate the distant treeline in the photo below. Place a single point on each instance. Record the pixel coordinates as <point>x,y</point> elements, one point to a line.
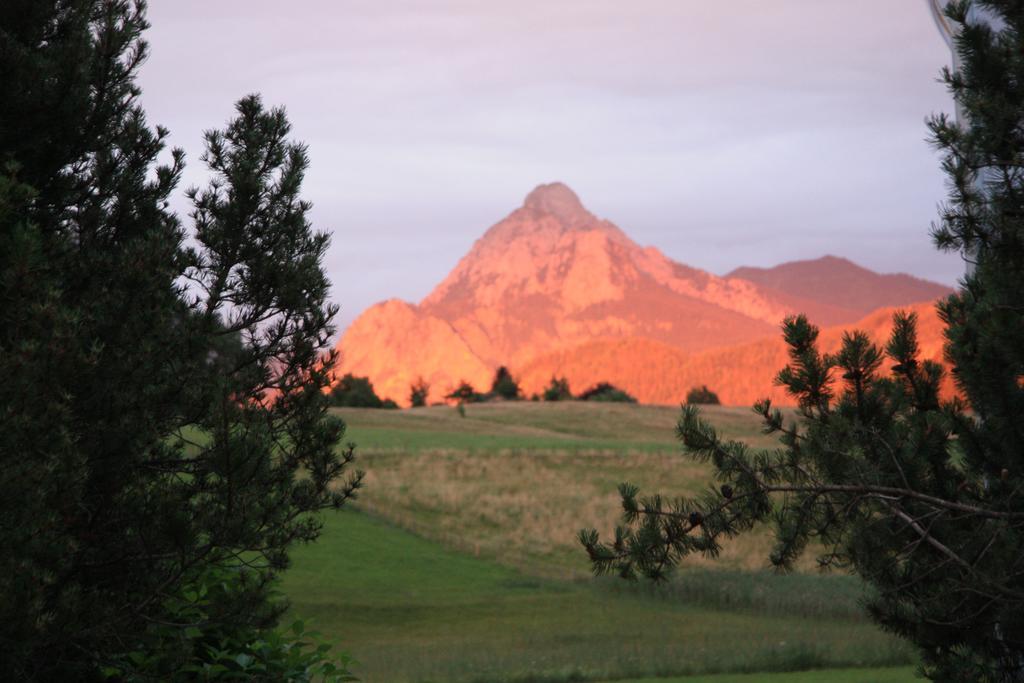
<point>358,392</point>
<point>505,387</point>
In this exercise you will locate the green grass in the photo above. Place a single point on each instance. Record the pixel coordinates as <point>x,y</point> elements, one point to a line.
<point>569,425</point>
<point>459,563</point>
<point>818,596</point>
<point>411,610</point>
<point>894,675</point>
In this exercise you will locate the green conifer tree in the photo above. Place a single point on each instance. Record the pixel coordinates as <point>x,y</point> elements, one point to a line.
<point>920,496</point>
<point>504,385</point>
<point>164,434</point>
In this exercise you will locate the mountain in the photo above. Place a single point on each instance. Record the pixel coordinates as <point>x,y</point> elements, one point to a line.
<point>842,284</point>
<point>741,374</point>
<point>550,277</point>
<point>552,274</point>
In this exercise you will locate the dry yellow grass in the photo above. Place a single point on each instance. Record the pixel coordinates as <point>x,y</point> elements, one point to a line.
<point>523,505</point>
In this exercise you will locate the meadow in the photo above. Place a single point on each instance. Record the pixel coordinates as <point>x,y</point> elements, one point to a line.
<point>459,561</point>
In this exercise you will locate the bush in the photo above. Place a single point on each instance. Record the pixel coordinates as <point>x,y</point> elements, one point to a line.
<point>418,393</point>
<point>702,396</point>
<point>557,390</point>
<point>357,392</point>
<point>202,645</point>
<point>604,391</point>
<point>465,393</point>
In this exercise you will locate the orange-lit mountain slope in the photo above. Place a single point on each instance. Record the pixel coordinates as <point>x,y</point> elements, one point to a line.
<point>553,276</point>
<point>843,284</point>
<point>658,373</point>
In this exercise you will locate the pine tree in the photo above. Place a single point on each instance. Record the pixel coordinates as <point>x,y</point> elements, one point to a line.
<point>504,385</point>
<point>920,496</point>
<point>165,439</point>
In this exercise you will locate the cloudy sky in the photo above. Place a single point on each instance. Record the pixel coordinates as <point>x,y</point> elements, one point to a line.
<point>747,132</point>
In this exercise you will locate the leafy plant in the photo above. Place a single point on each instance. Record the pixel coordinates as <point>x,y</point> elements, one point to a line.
<point>196,644</point>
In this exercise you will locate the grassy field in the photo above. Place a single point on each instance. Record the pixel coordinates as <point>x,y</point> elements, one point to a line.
<point>893,675</point>
<point>411,610</point>
<point>514,482</point>
<point>460,563</point>
<point>567,425</point>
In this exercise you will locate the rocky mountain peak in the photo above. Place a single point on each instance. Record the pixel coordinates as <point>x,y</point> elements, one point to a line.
<point>559,201</point>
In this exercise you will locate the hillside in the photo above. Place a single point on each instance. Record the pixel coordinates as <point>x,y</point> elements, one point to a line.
<point>741,374</point>
<point>842,284</point>
<point>459,562</point>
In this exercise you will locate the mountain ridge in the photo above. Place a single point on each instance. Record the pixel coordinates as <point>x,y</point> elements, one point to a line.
<point>657,373</point>
<point>843,283</point>
<point>551,276</point>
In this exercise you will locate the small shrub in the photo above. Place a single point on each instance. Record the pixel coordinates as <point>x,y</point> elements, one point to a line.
<point>418,393</point>
<point>465,393</point>
<point>702,396</point>
<point>558,390</point>
<point>196,644</point>
<point>604,391</point>
<point>356,392</point>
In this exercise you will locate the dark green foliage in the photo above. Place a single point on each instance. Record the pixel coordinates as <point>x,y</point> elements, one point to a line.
<point>557,390</point>
<point>357,392</point>
<point>465,393</point>
<point>604,391</point>
<point>214,649</point>
<point>418,393</point>
<point>505,386</point>
<point>163,414</point>
<point>702,396</point>
<point>920,496</point>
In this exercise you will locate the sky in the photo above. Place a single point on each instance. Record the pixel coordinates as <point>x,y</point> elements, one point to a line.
<point>748,132</point>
